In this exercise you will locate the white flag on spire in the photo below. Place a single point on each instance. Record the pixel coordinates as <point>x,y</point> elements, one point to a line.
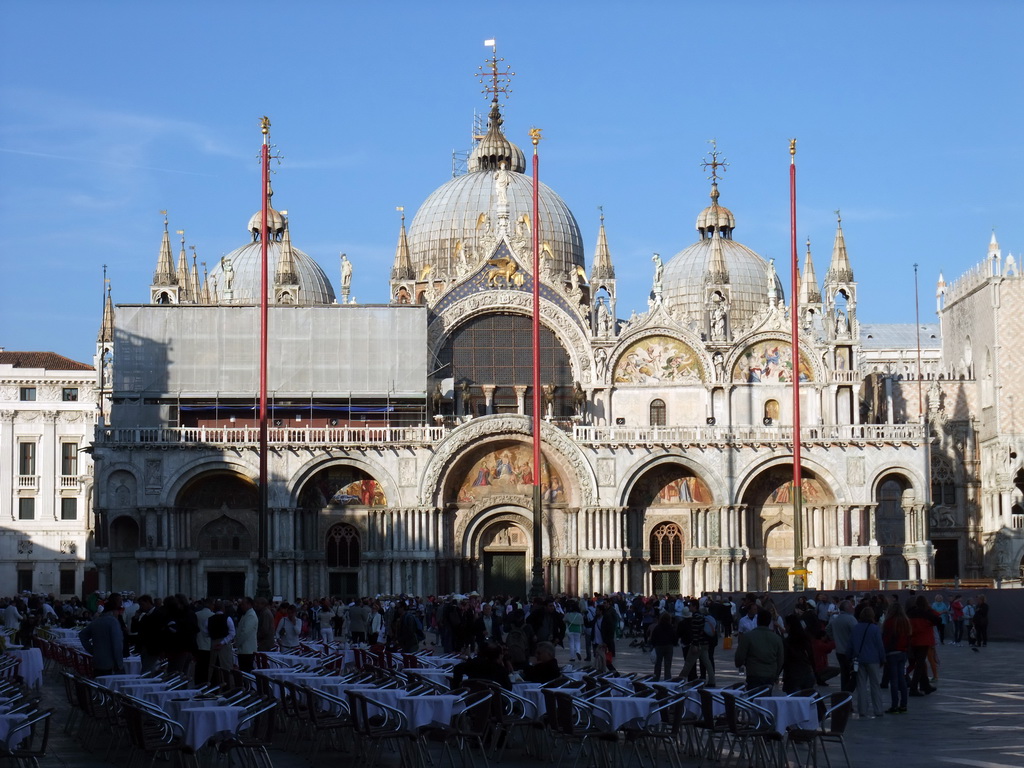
<point>489,42</point>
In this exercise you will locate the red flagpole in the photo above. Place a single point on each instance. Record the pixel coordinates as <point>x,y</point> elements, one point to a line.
<point>263,555</point>
<point>537,585</point>
<point>798,544</point>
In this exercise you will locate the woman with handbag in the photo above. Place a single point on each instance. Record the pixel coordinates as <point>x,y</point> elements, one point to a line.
<point>868,658</point>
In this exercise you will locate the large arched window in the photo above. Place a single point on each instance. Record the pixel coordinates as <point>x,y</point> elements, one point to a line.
<point>496,350</point>
<point>666,545</point>
<point>658,413</point>
<point>342,547</point>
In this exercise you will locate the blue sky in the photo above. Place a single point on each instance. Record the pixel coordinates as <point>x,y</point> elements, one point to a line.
<point>909,118</point>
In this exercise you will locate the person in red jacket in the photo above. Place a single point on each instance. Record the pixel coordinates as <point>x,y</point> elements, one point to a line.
<point>923,621</point>
<point>822,646</point>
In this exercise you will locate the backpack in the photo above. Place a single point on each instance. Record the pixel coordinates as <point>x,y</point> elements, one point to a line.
<point>217,626</point>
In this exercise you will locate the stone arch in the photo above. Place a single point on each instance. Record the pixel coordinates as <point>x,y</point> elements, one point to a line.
<point>654,348</point>
<point>910,476</point>
<point>837,488</point>
<point>125,534</point>
<point>359,461</point>
<point>559,450</point>
<point>634,474</point>
<point>122,489</point>
<point>470,535</point>
<point>218,489</point>
<point>224,464</point>
<point>566,328</point>
<point>336,485</point>
<point>760,342</point>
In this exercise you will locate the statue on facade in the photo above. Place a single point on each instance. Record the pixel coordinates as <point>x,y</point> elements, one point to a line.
<point>579,398</point>
<point>604,320</point>
<point>600,361</point>
<point>346,274</point>
<point>229,273</point>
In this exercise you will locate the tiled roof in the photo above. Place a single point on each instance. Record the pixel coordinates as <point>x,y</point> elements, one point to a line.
<point>49,361</point>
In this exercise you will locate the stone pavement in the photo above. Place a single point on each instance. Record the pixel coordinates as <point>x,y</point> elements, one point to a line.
<point>975,719</point>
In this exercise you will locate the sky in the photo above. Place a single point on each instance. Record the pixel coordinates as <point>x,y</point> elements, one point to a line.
<point>908,118</point>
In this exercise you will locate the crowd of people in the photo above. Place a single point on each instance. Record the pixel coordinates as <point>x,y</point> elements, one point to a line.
<point>878,642</point>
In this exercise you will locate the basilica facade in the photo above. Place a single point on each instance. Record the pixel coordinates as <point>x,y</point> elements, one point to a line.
<point>400,435</point>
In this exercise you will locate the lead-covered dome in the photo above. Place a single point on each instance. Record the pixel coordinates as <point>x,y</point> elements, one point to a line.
<point>461,214</point>
<point>751,279</point>
<point>245,274</point>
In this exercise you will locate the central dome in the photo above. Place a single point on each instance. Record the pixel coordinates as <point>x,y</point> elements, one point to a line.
<point>246,273</point>
<point>462,212</point>
<point>750,277</point>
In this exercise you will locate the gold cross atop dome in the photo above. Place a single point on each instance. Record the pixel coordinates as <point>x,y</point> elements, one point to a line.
<point>714,163</point>
<point>500,81</point>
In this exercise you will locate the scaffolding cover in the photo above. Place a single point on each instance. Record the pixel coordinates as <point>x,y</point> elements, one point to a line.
<point>330,351</point>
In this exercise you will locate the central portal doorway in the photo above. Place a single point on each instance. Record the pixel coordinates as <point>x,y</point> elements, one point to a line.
<point>505,553</point>
<point>505,574</point>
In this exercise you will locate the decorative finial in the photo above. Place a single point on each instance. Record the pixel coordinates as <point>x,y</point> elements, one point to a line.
<point>808,244</point>
<point>500,81</point>
<point>265,125</point>
<point>714,163</point>
<point>839,217</point>
<point>601,209</point>
<point>792,150</point>
<point>182,233</point>
<point>164,214</point>
<point>535,136</point>
<point>401,210</point>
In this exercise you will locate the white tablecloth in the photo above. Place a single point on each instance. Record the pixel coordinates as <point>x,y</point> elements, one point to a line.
<point>158,698</point>
<point>625,708</point>
<point>433,674</point>
<point>7,722</point>
<point>58,633</point>
<point>296,661</point>
<point>533,693</point>
<point>791,710</point>
<point>424,710</point>
<point>202,723</point>
<point>174,706</point>
<point>114,682</point>
<point>31,669</point>
<point>620,686</point>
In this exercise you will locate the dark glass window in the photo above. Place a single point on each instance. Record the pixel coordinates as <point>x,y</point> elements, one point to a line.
<point>497,350</point>
<point>69,509</point>
<point>27,509</point>
<point>658,413</point>
<point>343,547</point>
<point>666,545</point>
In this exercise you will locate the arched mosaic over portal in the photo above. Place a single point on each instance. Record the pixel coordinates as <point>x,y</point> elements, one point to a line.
<point>341,486</point>
<point>770,361</point>
<point>776,487</point>
<point>671,484</point>
<point>219,490</point>
<point>658,360</point>
<point>509,470</point>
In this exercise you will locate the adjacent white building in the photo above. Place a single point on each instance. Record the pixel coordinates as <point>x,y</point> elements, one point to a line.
<point>47,420</point>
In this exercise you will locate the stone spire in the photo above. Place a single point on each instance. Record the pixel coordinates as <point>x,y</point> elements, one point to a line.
<point>809,291</point>
<point>164,274</point>
<point>995,255</point>
<point>402,268</point>
<point>602,268</point>
<point>194,288</point>
<point>839,271</point>
<point>206,286</point>
<point>286,274</point>
<point>182,275</point>
<point>106,335</point>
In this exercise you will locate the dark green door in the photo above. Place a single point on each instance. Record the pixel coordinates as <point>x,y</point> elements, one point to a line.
<point>505,574</point>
